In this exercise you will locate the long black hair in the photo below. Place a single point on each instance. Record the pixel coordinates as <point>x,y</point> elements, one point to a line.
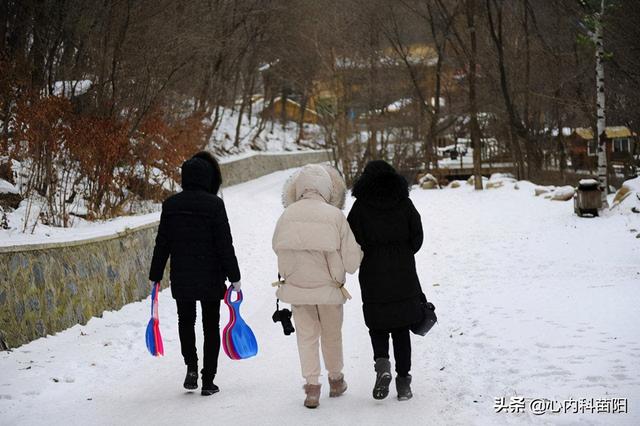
<point>216,182</point>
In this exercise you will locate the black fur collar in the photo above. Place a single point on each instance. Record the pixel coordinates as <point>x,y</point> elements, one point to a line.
<point>380,186</point>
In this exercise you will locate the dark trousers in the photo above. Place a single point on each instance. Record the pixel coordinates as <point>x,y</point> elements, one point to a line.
<point>187,333</point>
<point>401,347</point>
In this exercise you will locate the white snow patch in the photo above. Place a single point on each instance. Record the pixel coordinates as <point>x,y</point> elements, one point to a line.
<point>71,87</point>
<point>272,138</point>
<point>399,104</point>
<point>7,187</point>
<point>632,184</point>
<point>588,182</point>
<point>563,193</point>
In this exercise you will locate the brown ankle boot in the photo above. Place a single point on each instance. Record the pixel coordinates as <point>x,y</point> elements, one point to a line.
<point>313,396</point>
<point>337,386</point>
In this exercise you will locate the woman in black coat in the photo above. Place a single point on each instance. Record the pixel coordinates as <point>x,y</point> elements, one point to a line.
<point>388,228</point>
<point>194,232</point>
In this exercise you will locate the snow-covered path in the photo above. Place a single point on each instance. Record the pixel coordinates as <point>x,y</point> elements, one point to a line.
<point>532,302</point>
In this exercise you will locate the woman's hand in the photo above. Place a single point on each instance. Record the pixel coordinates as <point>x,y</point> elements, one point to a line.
<point>236,286</point>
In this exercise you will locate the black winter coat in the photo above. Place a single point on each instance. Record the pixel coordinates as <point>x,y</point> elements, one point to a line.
<point>388,227</point>
<point>194,232</point>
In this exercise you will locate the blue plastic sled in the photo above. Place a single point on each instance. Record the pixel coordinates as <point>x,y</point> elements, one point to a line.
<point>153,337</point>
<point>238,341</point>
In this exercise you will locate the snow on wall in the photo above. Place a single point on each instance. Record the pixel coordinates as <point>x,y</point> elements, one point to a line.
<point>48,287</point>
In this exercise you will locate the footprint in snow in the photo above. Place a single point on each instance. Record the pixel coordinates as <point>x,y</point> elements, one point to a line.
<point>621,377</point>
<point>5,396</point>
<point>31,393</point>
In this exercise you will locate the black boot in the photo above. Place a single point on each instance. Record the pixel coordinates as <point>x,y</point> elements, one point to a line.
<point>208,388</point>
<point>403,386</point>
<point>383,378</point>
<point>191,379</point>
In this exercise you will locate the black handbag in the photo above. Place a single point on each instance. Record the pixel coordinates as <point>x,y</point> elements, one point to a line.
<point>429,317</point>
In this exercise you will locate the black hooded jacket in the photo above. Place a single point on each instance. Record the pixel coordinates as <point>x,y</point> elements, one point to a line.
<point>388,228</point>
<point>194,232</point>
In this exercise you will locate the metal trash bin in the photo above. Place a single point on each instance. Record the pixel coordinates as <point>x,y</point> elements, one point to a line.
<point>587,199</point>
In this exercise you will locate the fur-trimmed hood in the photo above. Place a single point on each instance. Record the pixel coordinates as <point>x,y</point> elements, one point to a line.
<point>321,179</point>
<point>314,243</point>
<point>380,186</point>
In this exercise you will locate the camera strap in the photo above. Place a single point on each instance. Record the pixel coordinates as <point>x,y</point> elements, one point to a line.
<point>278,284</point>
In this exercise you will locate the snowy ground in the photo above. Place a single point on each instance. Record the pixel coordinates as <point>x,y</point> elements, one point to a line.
<point>533,302</point>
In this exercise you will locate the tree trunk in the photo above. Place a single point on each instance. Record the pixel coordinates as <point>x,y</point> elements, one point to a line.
<point>600,104</point>
<point>243,104</point>
<point>303,109</point>
<point>473,105</point>
<point>516,153</point>
<point>39,45</point>
<point>518,130</point>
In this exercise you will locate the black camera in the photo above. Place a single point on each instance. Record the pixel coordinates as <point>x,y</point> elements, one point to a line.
<point>284,316</point>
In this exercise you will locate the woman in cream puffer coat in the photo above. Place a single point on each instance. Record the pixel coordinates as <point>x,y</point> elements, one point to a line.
<point>316,249</point>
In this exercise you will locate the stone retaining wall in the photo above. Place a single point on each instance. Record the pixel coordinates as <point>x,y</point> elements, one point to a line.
<point>47,288</point>
<point>261,164</point>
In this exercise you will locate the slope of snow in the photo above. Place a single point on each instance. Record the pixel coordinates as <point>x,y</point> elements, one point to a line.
<point>273,137</point>
<point>532,301</point>
<point>7,188</point>
<point>626,200</point>
<point>69,87</point>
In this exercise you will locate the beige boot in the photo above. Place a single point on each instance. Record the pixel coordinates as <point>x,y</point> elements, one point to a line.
<point>337,386</point>
<point>313,396</point>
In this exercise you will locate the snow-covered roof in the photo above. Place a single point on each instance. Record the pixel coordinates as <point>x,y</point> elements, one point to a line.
<point>291,101</point>
<point>612,132</point>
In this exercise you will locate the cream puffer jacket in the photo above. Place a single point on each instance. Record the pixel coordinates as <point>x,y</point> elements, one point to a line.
<point>313,240</point>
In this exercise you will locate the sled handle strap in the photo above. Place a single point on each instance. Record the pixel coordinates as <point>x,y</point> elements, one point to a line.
<point>227,297</point>
<point>154,299</point>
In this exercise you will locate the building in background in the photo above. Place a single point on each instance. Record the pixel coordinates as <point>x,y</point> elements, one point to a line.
<point>582,147</point>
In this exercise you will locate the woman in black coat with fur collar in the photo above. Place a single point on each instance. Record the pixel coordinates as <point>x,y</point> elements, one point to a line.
<point>388,228</point>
